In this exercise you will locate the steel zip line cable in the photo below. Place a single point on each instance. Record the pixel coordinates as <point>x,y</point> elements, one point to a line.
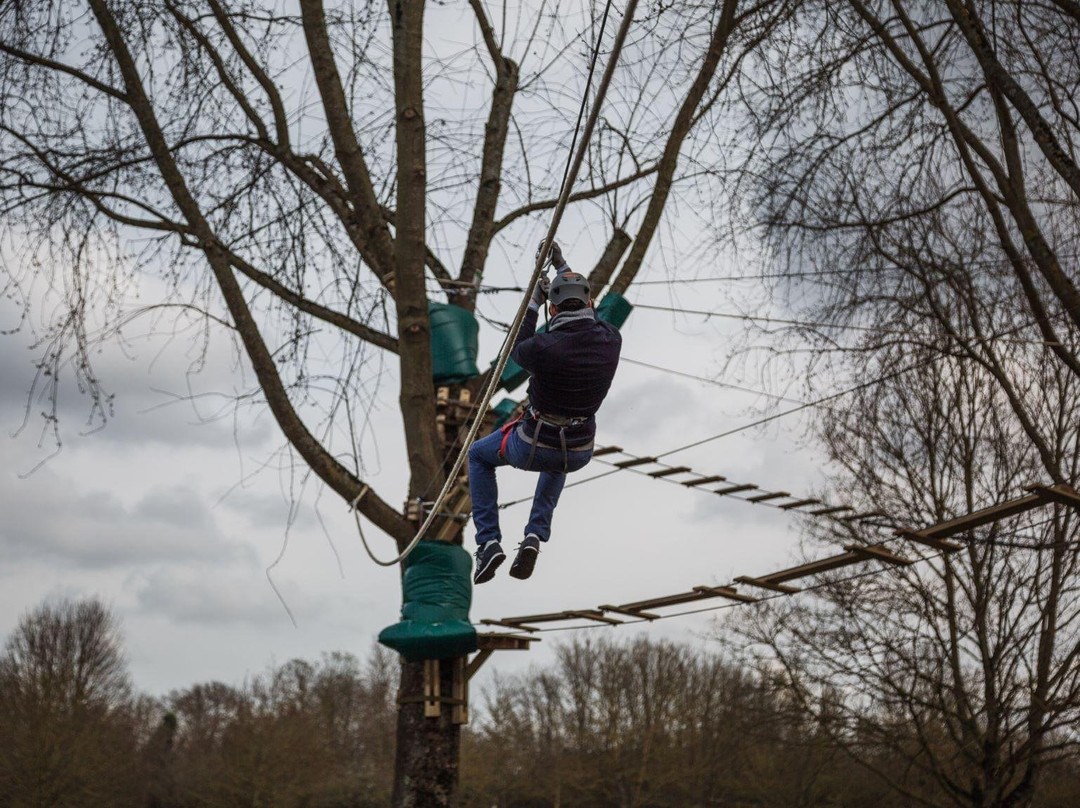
<point>569,176</point>
<point>870,329</point>
<point>762,276</point>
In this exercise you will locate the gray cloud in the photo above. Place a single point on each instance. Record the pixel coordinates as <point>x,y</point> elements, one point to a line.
<point>217,598</point>
<point>645,410</point>
<point>268,511</point>
<point>95,530</point>
<point>138,413</point>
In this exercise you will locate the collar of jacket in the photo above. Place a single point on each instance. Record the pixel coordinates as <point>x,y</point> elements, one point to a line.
<point>567,317</point>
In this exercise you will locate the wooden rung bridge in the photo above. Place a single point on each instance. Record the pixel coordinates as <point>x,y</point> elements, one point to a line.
<point>935,536</point>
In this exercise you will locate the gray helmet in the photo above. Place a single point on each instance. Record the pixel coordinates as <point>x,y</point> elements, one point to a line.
<point>569,286</point>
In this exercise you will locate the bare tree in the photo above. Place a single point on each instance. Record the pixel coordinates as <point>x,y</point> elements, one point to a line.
<point>921,157</point>
<point>919,184</point>
<point>955,680</point>
<point>293,176</point>
<point>66,731</point>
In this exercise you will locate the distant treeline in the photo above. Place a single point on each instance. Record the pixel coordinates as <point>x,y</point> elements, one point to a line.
<point>642,723</point>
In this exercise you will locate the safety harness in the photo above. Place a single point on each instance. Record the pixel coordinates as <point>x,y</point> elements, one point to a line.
<point>558,422</point>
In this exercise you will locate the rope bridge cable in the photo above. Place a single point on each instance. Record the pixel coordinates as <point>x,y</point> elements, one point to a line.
<point>812,588</point>
<point>755,423</point>
<point>763,276</point>
<point>743,492</point>
<point>569,176</point>
<point>735,604</point>
<point>801,407</point>
<point>870,329</point>
<point>878,380</point>
<point>707,380</point>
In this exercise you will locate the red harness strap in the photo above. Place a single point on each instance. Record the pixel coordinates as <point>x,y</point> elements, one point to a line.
<point>506,429</point>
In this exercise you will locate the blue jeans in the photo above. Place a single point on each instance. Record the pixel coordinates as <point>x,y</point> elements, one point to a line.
<point>483,460</point>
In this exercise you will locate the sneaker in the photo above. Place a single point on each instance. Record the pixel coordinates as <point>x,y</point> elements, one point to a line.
<point>525,560</point>
<point>489,556</point>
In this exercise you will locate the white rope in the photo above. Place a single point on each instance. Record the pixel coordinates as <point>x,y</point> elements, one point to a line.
<point>511,337</point>
<point>360,529</point>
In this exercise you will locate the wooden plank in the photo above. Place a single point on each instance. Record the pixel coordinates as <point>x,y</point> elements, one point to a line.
<point>761,582</point>
<point>488,644</point>
<point>597,615</point>
<point>880,553</point>
<point>607,607</point>
<point>477,662</point>
<point>432,702</point>
<point>938,544</point>
<point>716,478</point>
<point>831,510</point>
<point>667,600</point>
<point>799,503</point>
<point>981,517</point>
<point>726,592</point>
<point>766,497</point>
<point>813,568</point>
<point>862,517</point>
<point>1062,494</point>
<point>606,450</point>
<point>503,642</point>
<point>667,472</point>
<point>505,624</point>
<point>550,617</point>
<point>459,692</point>
<point>734,489</point>
<point>637,461</point>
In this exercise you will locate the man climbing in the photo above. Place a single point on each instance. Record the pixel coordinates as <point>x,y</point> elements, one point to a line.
<point>572,366</point>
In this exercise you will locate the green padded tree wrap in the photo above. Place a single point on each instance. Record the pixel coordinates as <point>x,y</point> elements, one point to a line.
<point>437,584</point>
<point>503,410</point>
<point>436,593</point>
<point>614,309</point>
<point>454,343</point>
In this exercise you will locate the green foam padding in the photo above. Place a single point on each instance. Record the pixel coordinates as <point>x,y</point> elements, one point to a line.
<point>436,593</point>
<point>503,410</point>
<point>454,343</point>
<point>614,309</point>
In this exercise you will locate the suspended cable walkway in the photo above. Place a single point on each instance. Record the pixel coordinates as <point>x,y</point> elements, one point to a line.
<point>686,477</point>
<point>936,537</point>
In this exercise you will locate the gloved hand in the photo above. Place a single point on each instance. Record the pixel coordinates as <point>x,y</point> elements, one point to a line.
<point>555,256</point>
<point>540,293</point>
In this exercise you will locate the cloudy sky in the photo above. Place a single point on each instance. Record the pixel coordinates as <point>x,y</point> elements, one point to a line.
<point>174,511</point>
<point>173,516</point>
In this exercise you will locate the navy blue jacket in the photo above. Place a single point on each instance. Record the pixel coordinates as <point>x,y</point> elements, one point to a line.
<point>572,365</point>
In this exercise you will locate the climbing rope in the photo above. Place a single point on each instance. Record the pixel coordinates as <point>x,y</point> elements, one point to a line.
<point>569,176</point>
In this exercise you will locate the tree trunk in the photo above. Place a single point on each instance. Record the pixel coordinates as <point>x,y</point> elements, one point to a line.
<point>426,761</point>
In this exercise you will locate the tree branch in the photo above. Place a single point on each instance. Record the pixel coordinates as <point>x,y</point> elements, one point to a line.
<point>613,253</point>
<point>410,252</point>
<point>971,27</point>
<point>495,131</point>
<point>339,478</point>
<point>281,122</point>
<point>590,193</point>
<point>669,161</point>
<point>41,61</point>
<point>349,154</point>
